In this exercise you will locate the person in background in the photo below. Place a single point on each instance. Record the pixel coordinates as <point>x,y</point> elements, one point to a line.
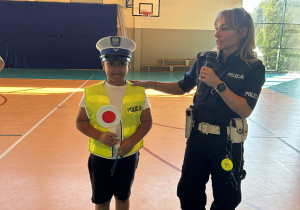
<point>232,82</point>
<point>111,167</point>
<point>1,63</point>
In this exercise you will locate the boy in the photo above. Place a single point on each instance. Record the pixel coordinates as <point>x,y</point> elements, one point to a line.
<point>135,124</point>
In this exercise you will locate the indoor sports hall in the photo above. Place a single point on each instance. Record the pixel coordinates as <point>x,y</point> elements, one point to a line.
<point>50,57</point>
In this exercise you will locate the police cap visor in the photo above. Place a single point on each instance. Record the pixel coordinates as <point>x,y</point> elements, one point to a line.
<point>116,58</point>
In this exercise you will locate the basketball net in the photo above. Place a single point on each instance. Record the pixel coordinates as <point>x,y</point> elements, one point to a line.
<point>146,16</point>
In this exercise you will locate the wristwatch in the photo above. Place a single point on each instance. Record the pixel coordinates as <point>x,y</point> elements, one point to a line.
<point>221,87</point>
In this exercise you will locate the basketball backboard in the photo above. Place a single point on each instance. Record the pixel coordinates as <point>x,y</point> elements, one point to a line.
<point>148,6</point>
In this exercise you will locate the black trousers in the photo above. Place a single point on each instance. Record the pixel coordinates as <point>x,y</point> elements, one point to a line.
<point>203,156</point>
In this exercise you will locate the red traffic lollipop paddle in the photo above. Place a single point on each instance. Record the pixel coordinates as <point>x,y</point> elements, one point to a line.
<point>109,117</point>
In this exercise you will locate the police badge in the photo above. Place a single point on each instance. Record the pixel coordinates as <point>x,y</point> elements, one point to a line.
<point>116,46</point>
<point>115,41</point>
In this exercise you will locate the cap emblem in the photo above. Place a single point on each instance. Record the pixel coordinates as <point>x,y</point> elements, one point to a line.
<point>115,41</point>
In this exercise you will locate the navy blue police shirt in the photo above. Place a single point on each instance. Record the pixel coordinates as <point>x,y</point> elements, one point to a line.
<point>242,79</point>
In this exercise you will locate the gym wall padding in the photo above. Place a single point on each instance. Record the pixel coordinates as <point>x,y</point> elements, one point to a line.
<point>54,35</point>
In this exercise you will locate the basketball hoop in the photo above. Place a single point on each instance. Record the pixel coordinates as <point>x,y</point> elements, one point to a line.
<point>146,16</point>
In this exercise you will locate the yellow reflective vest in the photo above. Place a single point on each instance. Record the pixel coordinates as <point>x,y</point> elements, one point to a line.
<point>132,107</point>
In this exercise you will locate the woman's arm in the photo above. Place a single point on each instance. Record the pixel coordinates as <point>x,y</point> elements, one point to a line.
<point>166,87</point>
<point>235,102</point>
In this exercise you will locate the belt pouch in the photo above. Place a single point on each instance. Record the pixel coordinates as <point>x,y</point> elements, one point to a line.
<point>238,130</point>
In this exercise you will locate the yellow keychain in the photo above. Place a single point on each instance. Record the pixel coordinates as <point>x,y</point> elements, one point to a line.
<point>227,164</point>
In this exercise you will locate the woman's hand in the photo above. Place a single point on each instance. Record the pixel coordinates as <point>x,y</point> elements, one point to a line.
<point>208,76</point>
<point>165,87</point>
<point>236,103</point>
<point>145,84</point>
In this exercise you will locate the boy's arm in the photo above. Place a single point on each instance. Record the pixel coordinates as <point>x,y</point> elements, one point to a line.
<point>143,129</point>
<point>83,125</point>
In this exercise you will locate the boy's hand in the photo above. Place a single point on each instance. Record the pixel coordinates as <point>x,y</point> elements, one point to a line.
<point>109,139</point>
<point>125,148</point>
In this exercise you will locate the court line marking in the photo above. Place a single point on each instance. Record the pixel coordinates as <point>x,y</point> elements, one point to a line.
<point>283,141</point>
<point>42,120</point>
<point>161,159</point>
<point>5,100</point>
<point>274,136</point>
<point>168,126</point>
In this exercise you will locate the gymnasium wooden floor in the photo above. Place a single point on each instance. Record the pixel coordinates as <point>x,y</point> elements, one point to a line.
<point>43,158</point>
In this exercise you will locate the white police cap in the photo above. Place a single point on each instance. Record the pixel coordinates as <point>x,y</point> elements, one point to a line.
<point>115,46</point>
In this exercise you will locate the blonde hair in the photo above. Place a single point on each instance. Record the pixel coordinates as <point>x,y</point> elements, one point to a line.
<point>238,19</point>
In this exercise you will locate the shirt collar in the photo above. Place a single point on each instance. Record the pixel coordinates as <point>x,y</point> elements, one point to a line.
<point>233,56</point>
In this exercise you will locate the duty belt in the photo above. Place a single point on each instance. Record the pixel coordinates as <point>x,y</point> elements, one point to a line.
<point>207,128</point>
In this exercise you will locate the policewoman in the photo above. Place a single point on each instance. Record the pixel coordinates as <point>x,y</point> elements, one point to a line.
<point>231,84</point>
<point>114,147</point>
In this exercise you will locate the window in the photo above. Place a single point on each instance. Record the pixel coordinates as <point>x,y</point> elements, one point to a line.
<point>277,28</point>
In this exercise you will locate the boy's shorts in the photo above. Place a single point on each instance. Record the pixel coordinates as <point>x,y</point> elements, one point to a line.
<point>104,186</point>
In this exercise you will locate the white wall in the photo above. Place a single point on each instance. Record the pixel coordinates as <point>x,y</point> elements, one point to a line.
<point>192,14</point>
<point>179,14</point>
